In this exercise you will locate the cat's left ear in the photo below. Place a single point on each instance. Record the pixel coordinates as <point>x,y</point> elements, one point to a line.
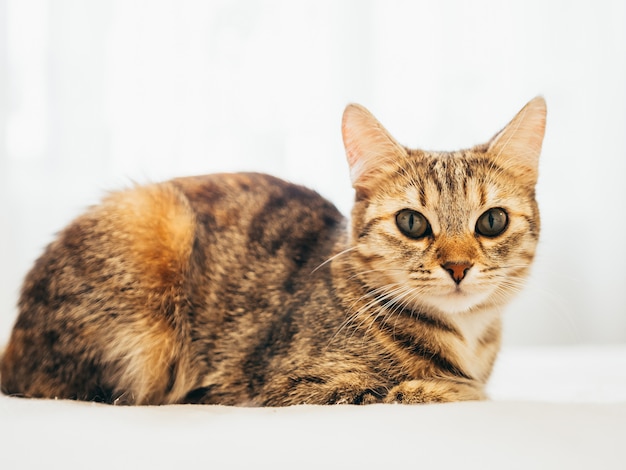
<point>517,147</point>
<point>370,149</point>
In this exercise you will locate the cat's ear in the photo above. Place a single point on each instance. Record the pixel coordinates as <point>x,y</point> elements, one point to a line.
<point>369,147</point>
<point>517,147</point>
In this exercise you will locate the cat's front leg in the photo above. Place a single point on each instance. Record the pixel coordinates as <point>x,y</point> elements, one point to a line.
<point>434,391</point>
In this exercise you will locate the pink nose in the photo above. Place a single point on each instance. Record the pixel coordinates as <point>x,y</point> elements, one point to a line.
<point>457,270</point>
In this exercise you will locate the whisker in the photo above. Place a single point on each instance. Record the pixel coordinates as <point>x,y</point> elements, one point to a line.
<point>347,250</point>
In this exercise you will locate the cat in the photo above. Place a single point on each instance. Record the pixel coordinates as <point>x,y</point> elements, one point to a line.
<point>243,289</point>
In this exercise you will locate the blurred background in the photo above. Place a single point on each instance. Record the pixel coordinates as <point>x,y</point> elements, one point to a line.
<point>97,94</point>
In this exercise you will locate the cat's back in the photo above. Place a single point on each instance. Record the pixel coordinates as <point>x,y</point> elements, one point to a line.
<point>255,226</point>
<point>258,210</point>
<point>156,233</point>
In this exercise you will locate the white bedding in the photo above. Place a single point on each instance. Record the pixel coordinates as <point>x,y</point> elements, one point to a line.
<point>556,408</point>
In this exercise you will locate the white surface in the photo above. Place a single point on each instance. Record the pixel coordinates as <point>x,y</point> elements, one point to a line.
<point>558,408</point>
<point>580,374</point>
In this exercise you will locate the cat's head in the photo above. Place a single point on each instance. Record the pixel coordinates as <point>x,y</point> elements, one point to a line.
<point>445,230</point>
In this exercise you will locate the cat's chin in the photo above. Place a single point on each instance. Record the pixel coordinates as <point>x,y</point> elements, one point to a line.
<point>456,302</point>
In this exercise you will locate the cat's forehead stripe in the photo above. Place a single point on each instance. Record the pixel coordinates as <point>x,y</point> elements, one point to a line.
<point>448,176</point>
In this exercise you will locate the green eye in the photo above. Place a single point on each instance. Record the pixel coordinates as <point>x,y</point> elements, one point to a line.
<point>412,223</point>
<point>492,223</point>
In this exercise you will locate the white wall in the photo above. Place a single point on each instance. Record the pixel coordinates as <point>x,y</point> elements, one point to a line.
<point>96,94</point>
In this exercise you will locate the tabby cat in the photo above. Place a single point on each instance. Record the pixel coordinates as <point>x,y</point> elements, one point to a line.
<point>242,289</point>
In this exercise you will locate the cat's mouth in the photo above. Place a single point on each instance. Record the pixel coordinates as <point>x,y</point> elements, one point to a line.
<point>458,290</point>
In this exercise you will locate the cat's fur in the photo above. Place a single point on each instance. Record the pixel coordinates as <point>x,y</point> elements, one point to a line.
<point>242,289</point>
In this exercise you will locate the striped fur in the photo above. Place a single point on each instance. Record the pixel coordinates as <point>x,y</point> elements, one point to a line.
<point>242,289</point>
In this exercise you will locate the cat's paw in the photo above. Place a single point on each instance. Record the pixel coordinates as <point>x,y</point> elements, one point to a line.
<point>433,391</point>
<point>361,397</point>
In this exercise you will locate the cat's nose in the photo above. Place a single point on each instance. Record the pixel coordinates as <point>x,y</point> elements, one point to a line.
<point>457,270</point>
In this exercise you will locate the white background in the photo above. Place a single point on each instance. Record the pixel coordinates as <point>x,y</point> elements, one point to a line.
<point>96,94</point>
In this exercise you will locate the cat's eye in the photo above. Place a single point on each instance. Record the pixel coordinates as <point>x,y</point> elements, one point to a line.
<point>412,224</point>
<point>492,223</point>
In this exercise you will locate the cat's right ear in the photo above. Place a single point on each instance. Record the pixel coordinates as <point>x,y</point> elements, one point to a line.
<point>369,147</point>
<point>517,147</point>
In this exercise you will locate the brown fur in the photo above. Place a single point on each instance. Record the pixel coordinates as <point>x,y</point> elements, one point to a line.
<point>242,289</point>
